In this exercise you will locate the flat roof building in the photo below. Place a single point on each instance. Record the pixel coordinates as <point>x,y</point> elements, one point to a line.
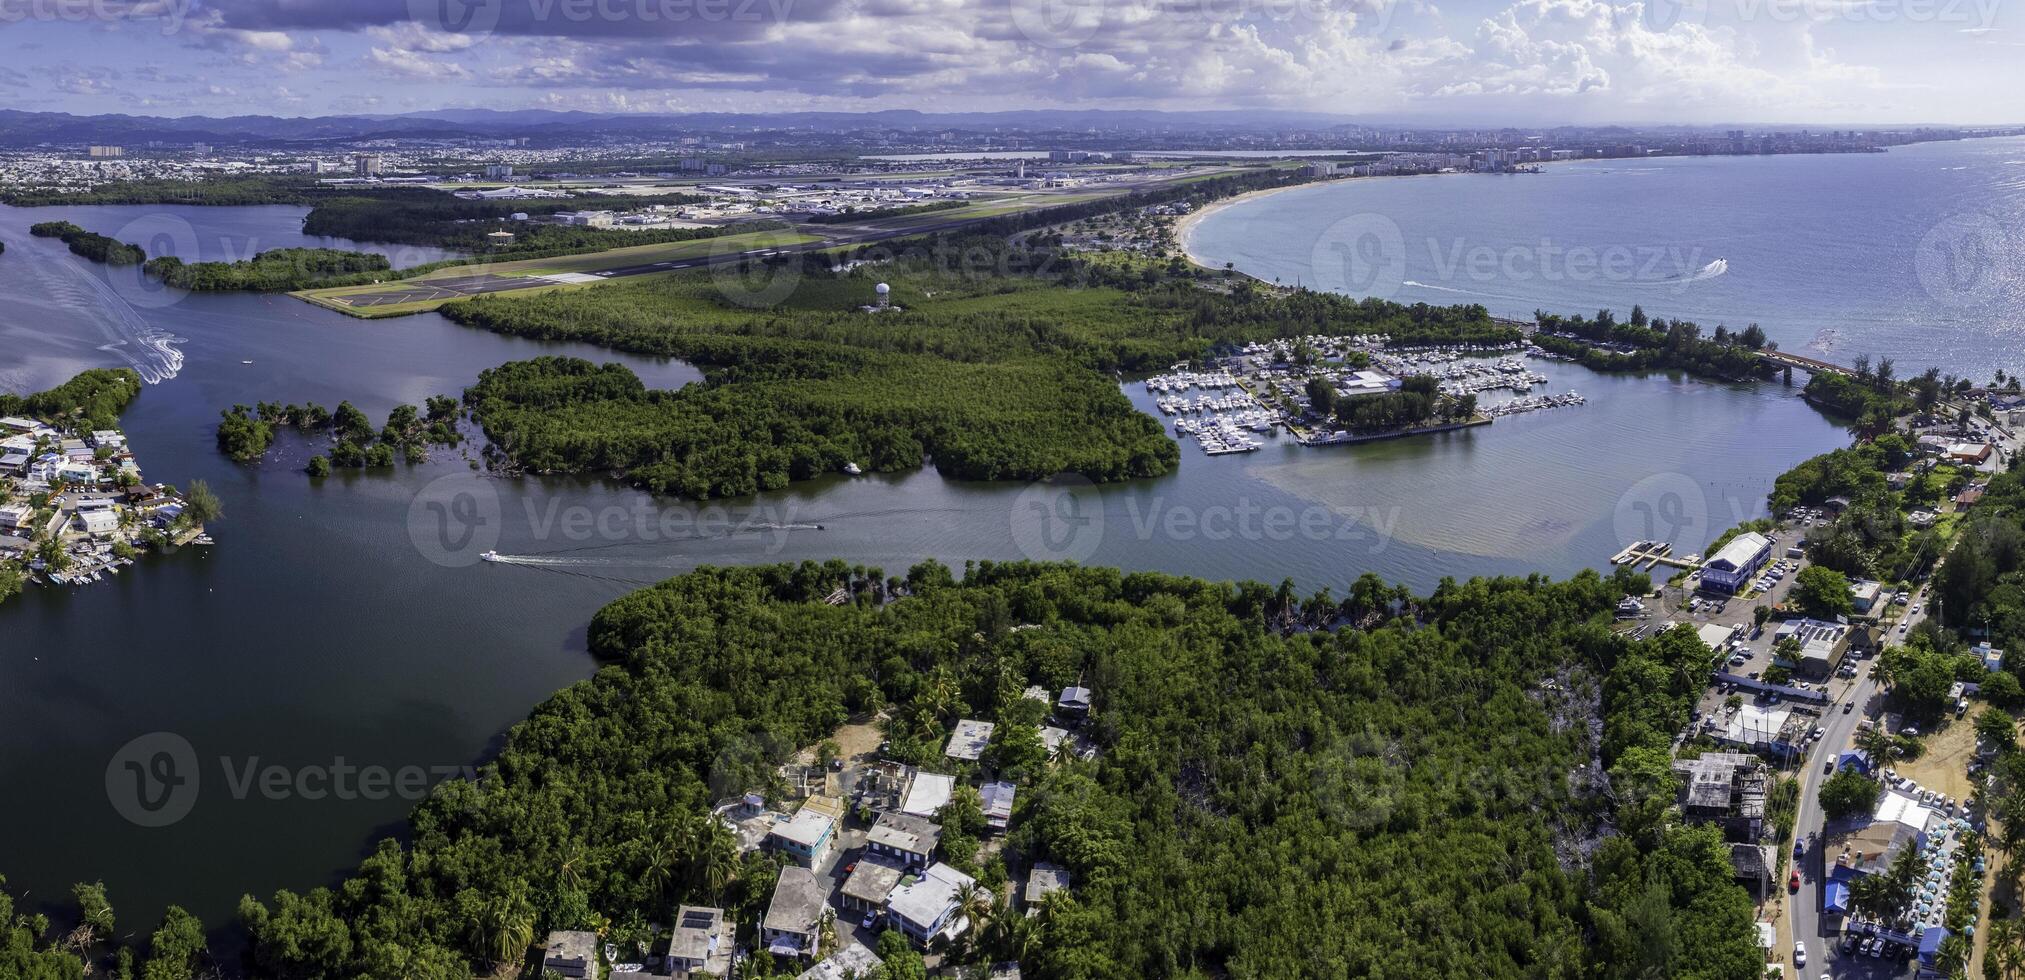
<point>1733,566</point>
<point>969,740</point>
<point>925,908</point>
<point>805,836</point>
<point>702,943</point>
<point>572,954</point>
<point>928,794</point>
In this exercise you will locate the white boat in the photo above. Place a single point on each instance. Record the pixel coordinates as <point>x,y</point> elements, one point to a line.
<point>852,469</point>
<point>489,556</point>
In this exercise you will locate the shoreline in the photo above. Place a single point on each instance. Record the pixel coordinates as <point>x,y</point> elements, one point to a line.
<point>1185,224</point>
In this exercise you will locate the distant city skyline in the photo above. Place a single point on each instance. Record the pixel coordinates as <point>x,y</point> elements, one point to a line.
<point>1478,62</point>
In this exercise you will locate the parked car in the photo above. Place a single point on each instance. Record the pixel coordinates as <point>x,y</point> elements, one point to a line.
<point>1827,767</point>
<point>1793,881</point>
<point>1799,953</point>
<point>1848,706</point>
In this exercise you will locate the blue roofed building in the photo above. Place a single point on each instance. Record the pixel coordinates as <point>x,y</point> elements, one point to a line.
<point>1732,568</point>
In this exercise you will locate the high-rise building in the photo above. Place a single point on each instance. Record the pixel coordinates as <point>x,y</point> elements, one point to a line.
<point>107,152</point>
<point>368,164</point>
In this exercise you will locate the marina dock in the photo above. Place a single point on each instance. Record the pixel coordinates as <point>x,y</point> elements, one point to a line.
<point>1647,555</point>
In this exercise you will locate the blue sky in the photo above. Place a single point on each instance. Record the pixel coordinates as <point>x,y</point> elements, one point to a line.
<point>1479,61</point>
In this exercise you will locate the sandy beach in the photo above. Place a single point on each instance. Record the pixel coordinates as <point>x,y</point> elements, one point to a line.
<point>1186,223</point>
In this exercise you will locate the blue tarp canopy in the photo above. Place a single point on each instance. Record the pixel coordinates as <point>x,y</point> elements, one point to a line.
<point>1852,759</point>
<point>1930,942</point>
<point>1835,898</point>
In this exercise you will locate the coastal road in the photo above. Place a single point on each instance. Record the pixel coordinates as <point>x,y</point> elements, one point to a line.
<point>1805,910</point>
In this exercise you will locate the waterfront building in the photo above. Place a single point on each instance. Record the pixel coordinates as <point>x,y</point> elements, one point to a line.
<point>1737,563</point>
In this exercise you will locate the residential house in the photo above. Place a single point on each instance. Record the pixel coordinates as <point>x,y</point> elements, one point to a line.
<point>871,882</point>
<point>1992,658</point>
<point>806,837</point>
<point>1043,880</point>
<point>927,794</point>
<point>15,515</point>
<point>1074,703</point>
<point>924,909</point>
<point>850,963</point>
<point>969,740</point>
<point>702,944</point>
<point>998,804</point>
<point>794,918</point>
<point>572,954</point>
<point>98,522</point>
<point>909,838</point>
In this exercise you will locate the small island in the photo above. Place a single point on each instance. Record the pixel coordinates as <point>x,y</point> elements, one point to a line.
<point>74,507</point>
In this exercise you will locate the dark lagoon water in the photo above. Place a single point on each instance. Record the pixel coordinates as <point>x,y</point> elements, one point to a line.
<point>1916,254</point>
<point>347,622</point>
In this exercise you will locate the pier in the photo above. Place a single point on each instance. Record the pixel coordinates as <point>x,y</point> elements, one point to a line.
<point>1647,555</point>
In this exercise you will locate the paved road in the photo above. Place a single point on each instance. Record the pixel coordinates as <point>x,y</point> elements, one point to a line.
<point>1805,908</point>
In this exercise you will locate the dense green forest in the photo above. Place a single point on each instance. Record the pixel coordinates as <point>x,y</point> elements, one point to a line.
<point>993,377</point>
<point>1641,344</point>
<point>90,244</point>
<point>1470,783</point>
<point>94,399</point>
<point>275,270</point>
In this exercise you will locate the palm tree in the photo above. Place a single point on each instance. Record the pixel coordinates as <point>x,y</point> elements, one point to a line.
<point>1877,745</point>
<point>716,859</point>
<point>505,929</point>
<point>977,904</point>
<point>2005,949</point>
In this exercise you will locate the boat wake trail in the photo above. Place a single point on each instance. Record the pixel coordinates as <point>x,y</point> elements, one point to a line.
<point>560,561</point>
<point>150,351</point>
<point>1423,285</point>
<point>1719,267</point>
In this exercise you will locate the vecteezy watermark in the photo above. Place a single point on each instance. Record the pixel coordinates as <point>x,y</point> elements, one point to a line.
<point>1674,508</point>
<point>477,19</point>
<point>455,520</point>
<point>1669,507</point>
<point>1966,14</point>
<point>158,235</point>
<point>1367,254</point>
<point>1363,255</point>
<point>1063,24</point>
<point>156,779</point>
<point>1063,519</point>
<point>755,278</point>
<point>171,14</point>
<point>1057,24</point>
<point>470,18</point>
<point>1661,16</point>
<point>1058,520</point>
<point>1966,260</point>
<point>153,780</point>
